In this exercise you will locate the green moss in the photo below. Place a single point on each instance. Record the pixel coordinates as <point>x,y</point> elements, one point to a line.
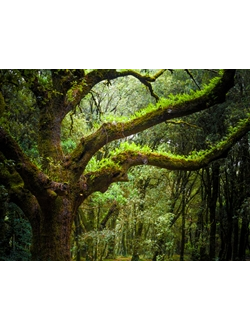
<point>170,101</point>
<point>3,115</point>
<point>8,174</point>
<point>104,164</point>
<point>2,105</point>
<point>126,146</point>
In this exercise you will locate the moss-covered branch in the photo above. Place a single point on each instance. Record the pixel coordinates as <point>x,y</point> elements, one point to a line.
<point>128,158</point>
<point>61,94</point>
<point>16,167</point>
<point>120,163</point>
<point>81,88</point>
<point>164,110</point>
<point>98,180</point>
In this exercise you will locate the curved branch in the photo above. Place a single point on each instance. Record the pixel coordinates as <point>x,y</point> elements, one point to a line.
<point>171,162</point>
<point>213,94</point>
<point>36,181</point>
<point>98,181</point>
<point>101,180</point>
<point>80,90</point>
<point>144,79</point>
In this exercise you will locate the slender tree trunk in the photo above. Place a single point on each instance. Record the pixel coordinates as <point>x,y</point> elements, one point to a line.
<point>222,228</point>
<point>123,249</point>
<point>183,223</point>
<point>244,193</point>
<point>139,219</point>
<point>112,241</point>
<point>3,211</point>
<point>77,234</point>
<point>212,208</point>
<point>243,238</point>
<point>235,239</point>
<point>137,239</point>
<point>229,238</point>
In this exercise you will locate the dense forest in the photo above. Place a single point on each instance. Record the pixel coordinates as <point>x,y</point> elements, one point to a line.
<point>124,164</point>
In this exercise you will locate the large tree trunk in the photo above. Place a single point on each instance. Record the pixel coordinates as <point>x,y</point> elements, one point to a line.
<point>51,237</point>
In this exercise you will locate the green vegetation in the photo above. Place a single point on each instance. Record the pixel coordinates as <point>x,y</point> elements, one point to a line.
<point>124,165</point>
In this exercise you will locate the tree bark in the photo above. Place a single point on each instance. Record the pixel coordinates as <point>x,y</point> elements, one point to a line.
<point>244,233</point>
<point>183,223</point>
<point>213,196</point>
<point>51,238</point>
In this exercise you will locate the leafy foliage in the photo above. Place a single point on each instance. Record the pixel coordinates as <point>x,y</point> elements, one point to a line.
<point>16,235</point>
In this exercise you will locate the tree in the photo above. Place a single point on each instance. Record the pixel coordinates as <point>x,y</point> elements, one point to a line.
<point>50,194</point>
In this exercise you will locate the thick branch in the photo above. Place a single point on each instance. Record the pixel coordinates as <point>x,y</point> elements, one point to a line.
<point>85,83</point>
<point>126,159</point>
<point>144,79</point>
<point>35,180</point>
<point>113,209</point>
<point>108,132</point>
<point>100,180</point>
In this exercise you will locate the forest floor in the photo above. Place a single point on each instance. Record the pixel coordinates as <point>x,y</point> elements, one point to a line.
<point>175,257</point>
